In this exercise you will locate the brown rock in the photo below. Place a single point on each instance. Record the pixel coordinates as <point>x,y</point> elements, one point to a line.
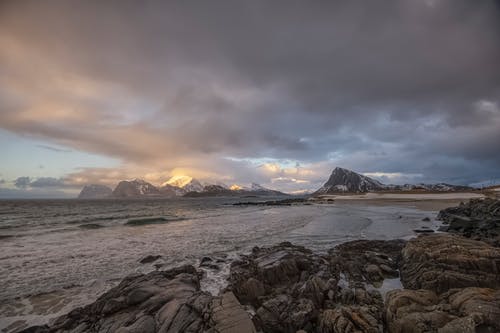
<point>228,315</point>
<point>441,262</point>
<point>467,310</point>
<point>350,319</point>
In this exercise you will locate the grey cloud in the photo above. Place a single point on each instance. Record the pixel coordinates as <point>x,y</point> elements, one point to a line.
<point>22,182</point>
<point>390,87</point>
<point>26,182</point>
<point>47,182</point>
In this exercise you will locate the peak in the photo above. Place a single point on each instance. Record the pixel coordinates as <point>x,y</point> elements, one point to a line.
<point>256,186</point>
<point>179,181</point>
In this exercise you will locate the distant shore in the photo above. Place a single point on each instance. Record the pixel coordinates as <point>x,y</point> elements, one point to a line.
<point>427,201</point>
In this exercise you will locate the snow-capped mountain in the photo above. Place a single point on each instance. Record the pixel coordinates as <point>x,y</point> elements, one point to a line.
<point>343,180</point>
<point>135,188</point>
<point>174,187</point>
<point>183,184</point>
<point>219,190</point>
<point>95,191</point>
<point>347,181</point>
<point>439,187</point>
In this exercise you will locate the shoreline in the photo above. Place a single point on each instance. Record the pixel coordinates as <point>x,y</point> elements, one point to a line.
<point>274,279</point>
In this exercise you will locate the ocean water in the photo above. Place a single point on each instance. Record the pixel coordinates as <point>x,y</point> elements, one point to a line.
<point>59,254</point>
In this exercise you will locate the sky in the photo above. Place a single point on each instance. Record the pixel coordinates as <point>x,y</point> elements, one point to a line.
<point>273,92</point>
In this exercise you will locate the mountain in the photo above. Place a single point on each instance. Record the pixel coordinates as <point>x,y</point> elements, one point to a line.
<point>211,191</point>
<point>181,185</point>
<point>135,188</point>
<point>346,181</point>
<point>439,187</point>
<point>343,180</point>
<point>170,191</point>
<point>95,191</point>
<point>221,190</point>
<point>256,189</point>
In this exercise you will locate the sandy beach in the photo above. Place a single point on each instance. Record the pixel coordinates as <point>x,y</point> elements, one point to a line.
<point>424,201</point>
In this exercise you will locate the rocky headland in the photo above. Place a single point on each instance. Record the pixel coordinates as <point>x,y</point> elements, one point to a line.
<point>440,282</point>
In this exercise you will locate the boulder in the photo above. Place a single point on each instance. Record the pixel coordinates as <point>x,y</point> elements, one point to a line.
<point>369,261</point>
<point>228,316</point>
<point>271,271</point>
<point>467,310</point>
<point>440,262</point>
<point>478,219</point>
<point>169,301</point>
<point>350,319</point>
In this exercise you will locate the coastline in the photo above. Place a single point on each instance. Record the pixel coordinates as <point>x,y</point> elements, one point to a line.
<point>285,287</point>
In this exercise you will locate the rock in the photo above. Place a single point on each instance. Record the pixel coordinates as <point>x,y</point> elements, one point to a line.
<point>293,288</point>
<point>440,262</point>
<point>423,231</point>
<point>475,209</point>
<point>169,301</point>
<point>481,306</point>
<point>350,319</point>
<point>414,311</point>
<point>149,259</point>
<point>283,314</point>
<point>478,219</point>
<point>271,271</point>
<point>367,260</point>
<point>228,315</point>
<point>205,260</point>
<point>467,310</point>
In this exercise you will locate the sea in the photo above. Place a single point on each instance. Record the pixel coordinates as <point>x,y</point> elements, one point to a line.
<point>56,255</point>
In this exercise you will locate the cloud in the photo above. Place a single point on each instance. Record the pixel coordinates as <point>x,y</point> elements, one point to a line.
<point>47,182</point>
<point>22,182</point>
<point>400,87</point>
<point>10,193</point>
<point>58,150</point>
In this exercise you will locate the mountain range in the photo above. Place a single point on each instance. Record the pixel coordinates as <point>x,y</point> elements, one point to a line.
<point>174,187</point>
<point>347,181</point>
<point>341,181</point>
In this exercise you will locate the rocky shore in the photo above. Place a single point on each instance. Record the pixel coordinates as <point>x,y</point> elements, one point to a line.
<point>450,282</point>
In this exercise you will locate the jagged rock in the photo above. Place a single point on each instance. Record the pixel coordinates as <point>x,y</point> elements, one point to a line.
<point>228,316</point>
<point>414,311</point>
<point>169,301</point>
<point>272,270</point>
<point>290,286</point>
<point>283,314</point>
<point>367,260</point>
<point>467,310</point>
<point>478,219</point>
<point>149,259</point>
<point>350,319</point>
<point>440,262</point>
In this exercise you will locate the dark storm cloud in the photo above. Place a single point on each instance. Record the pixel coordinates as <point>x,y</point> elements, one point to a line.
<point>395,86</point>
